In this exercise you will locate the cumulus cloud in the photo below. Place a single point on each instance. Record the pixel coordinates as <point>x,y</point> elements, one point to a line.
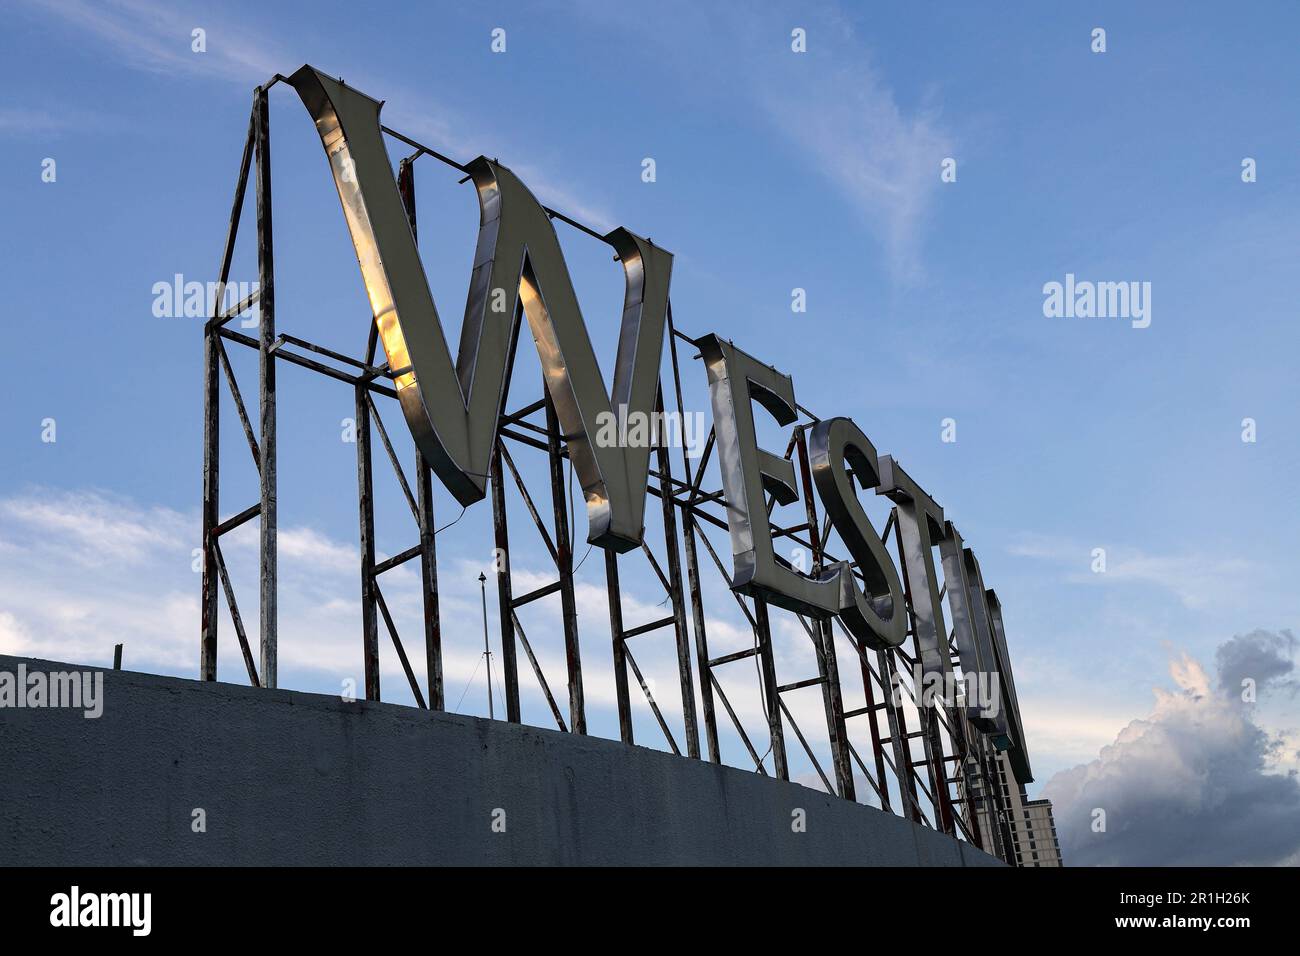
<point>1196,782</point>
<point>1260,656</point>
<point>83,570</point>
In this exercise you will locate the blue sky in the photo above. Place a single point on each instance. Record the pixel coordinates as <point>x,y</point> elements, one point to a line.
<point>775,170</point>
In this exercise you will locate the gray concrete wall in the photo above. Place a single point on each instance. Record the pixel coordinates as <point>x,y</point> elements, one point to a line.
<point>292,778</point>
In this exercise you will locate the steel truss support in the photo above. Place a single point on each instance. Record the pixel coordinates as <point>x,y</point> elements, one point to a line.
<point>424,491</point>
<point>954,753</point>
<point>213,352</point>
<point>564,565</point>
<point>932,743</point>
<point>266,380</point>
<point>828,667</point>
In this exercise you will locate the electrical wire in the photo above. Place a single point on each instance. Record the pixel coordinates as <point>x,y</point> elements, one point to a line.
<point>456,709</point>
<point>449,524</point>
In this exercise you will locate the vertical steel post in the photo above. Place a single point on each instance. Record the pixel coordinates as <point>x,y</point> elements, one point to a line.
<point>366,503</point>
<point>833,701</point>
<point>429,582</point>
<point>898,738</point>
<point>424,492</point>
<point>266,379</point>
<point>873,722</point>
<point>487,647</point>
<point>827,663</point>
<point>771,696</point>
<point>962,733</point>
<point>931,740</point>
<point>701,636</point>
<point>936,764</point>
<point>666,498</point>
<point>505,601</point>
<point>212,423</point>
<point>564,564</point>
<point>211,503</point>
<point>620,651</point>
<point>693,568</point>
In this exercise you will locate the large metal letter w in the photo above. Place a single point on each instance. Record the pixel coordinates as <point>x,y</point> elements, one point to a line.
<point>453,408</point>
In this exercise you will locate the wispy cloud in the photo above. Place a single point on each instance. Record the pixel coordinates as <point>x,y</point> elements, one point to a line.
<point>91,527</point>
<point>47,122</point>
<point>156,38</point>
<point>83,570</point>
<point>834,106</point>
<point>831,104</point>
<point>1195,578</point>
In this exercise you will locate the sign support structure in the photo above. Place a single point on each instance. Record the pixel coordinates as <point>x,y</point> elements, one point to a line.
<point>939,775</point>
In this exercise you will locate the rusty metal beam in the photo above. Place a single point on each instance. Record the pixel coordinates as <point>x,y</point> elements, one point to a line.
<point>212,427</point>
<point>266,378</point>
<point>564,564</point>
<point>674,585</point>
<point>615,596</point>
<point>505,606</point>
<point>366,509</point>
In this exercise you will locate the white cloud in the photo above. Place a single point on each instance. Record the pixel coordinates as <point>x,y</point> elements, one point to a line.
<point>1194,783</point>
<point>307,544</point>
<point>1195,578</point>
<point>47,122</point>
<point>82,571</point>
<point>157,38</point>
<point>882,161</point>
<point>93,527</point>
<point>833,107</point>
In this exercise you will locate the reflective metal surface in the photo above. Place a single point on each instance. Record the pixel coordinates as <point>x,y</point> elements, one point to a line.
<point>982,625</point>
<point>920,521</point>
<point>970,630</point>
<point>453,409</point>
<point>736,381</point>
<point>840,452</point>
<point>455,413</point>
<point>1016,751</point>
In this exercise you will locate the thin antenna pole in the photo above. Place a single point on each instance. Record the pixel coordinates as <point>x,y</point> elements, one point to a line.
<point>487,652</point>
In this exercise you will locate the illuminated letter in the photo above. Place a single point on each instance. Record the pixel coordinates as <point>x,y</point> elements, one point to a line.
<point>876,618</point>
<point>736,380</point>
<point>451,408</point>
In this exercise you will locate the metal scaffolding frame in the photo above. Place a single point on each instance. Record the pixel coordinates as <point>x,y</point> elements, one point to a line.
<point>954,755</point>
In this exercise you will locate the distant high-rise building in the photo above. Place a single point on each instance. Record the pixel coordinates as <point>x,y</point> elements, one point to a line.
<point>1028,824</point>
